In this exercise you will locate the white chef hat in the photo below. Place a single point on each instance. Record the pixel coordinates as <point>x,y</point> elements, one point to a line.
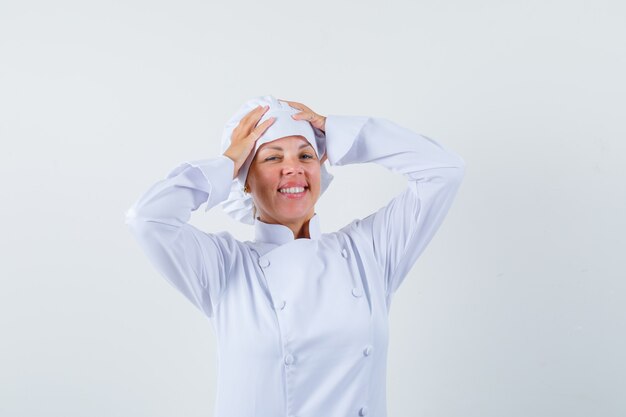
<point>240,205</point>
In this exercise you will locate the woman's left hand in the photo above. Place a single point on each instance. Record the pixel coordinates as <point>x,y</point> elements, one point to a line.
<point>317,120</point>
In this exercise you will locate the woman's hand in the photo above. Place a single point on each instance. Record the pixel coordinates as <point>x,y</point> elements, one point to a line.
<point>317,120</point>
<point>245,135</point>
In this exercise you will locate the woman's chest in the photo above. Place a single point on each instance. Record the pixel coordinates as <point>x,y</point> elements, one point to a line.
<point>323,294</point>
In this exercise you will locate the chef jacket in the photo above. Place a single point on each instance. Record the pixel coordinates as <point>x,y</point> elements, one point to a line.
<point>301,324</point>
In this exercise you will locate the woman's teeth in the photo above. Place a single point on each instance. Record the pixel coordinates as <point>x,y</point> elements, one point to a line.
<point>292,190</point>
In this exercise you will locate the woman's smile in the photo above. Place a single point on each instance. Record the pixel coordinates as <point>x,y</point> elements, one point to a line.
<point>293,196</point>
<point>293,190</point>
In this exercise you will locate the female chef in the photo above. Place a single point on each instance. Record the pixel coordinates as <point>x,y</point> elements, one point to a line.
<point>300,315</point>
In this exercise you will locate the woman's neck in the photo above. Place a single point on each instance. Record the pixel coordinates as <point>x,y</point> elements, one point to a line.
<point>303,233</point>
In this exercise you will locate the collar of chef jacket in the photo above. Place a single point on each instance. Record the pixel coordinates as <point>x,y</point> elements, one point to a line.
<point>279,234</point>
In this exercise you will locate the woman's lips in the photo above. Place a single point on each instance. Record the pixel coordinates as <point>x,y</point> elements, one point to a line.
<point>294,196</point>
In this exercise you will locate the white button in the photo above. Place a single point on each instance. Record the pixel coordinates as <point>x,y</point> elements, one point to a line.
<point>357,292</point>
<point>363,411</point>
<point>367,350</point>
<point>279,305</point>
<point>288,359</point>
<point>264,262</point>
<point>344,253</point>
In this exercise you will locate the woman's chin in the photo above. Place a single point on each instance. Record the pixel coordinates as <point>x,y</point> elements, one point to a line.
<point>293,214</point>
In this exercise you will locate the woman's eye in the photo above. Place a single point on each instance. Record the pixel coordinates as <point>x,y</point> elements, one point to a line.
<point>272,158</point>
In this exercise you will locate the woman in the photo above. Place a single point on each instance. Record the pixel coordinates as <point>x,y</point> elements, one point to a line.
<point>301,316</point>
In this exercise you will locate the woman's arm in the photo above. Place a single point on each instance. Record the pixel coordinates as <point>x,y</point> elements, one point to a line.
<point>401,230</point>
<point>194,262</point>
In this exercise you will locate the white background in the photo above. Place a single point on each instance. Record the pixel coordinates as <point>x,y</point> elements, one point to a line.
<point>516,308</point>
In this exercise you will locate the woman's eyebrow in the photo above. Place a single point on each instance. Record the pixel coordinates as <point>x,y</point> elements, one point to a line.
<point>280,149</point>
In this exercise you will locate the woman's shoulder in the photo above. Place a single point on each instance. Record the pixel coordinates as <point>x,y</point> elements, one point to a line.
<point>227,242</point>
<point>352,231</point>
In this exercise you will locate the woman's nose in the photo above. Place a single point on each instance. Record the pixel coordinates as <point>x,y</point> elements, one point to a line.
<point>293,167</point>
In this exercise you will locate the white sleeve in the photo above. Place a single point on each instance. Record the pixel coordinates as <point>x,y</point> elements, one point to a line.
<point>401,230</point>
<point>195,262</point>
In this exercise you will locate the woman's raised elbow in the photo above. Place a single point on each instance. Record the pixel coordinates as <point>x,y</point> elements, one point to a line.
<point>458,171</point>
<point>453,175</point>
<point>138,225</point>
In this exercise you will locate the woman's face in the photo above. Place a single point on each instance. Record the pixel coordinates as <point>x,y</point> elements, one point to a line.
<point>284,180</point>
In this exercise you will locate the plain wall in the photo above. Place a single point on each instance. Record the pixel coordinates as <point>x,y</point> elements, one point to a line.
<point>517,307</point>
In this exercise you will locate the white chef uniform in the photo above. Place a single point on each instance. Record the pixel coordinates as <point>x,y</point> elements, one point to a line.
<point>301,325</point>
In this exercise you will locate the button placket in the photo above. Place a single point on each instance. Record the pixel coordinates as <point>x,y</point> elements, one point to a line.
<point>367,351</point>
<point>363,411</point>
<point>356,291</point>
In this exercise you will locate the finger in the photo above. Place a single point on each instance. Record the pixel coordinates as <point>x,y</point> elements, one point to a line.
<point>303,110</point>
<point>247,122</point>
<point>255,113</point>
<point>308,116</point>
<point>258,131</point>
<point>296,105</point>
<point>253,117</point>
<point>251,112</point>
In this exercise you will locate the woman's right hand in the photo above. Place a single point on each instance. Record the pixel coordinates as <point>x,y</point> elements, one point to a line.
<point>245,135</point>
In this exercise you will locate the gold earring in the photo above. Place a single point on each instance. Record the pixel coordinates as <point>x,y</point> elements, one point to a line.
<point>246,189</point>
